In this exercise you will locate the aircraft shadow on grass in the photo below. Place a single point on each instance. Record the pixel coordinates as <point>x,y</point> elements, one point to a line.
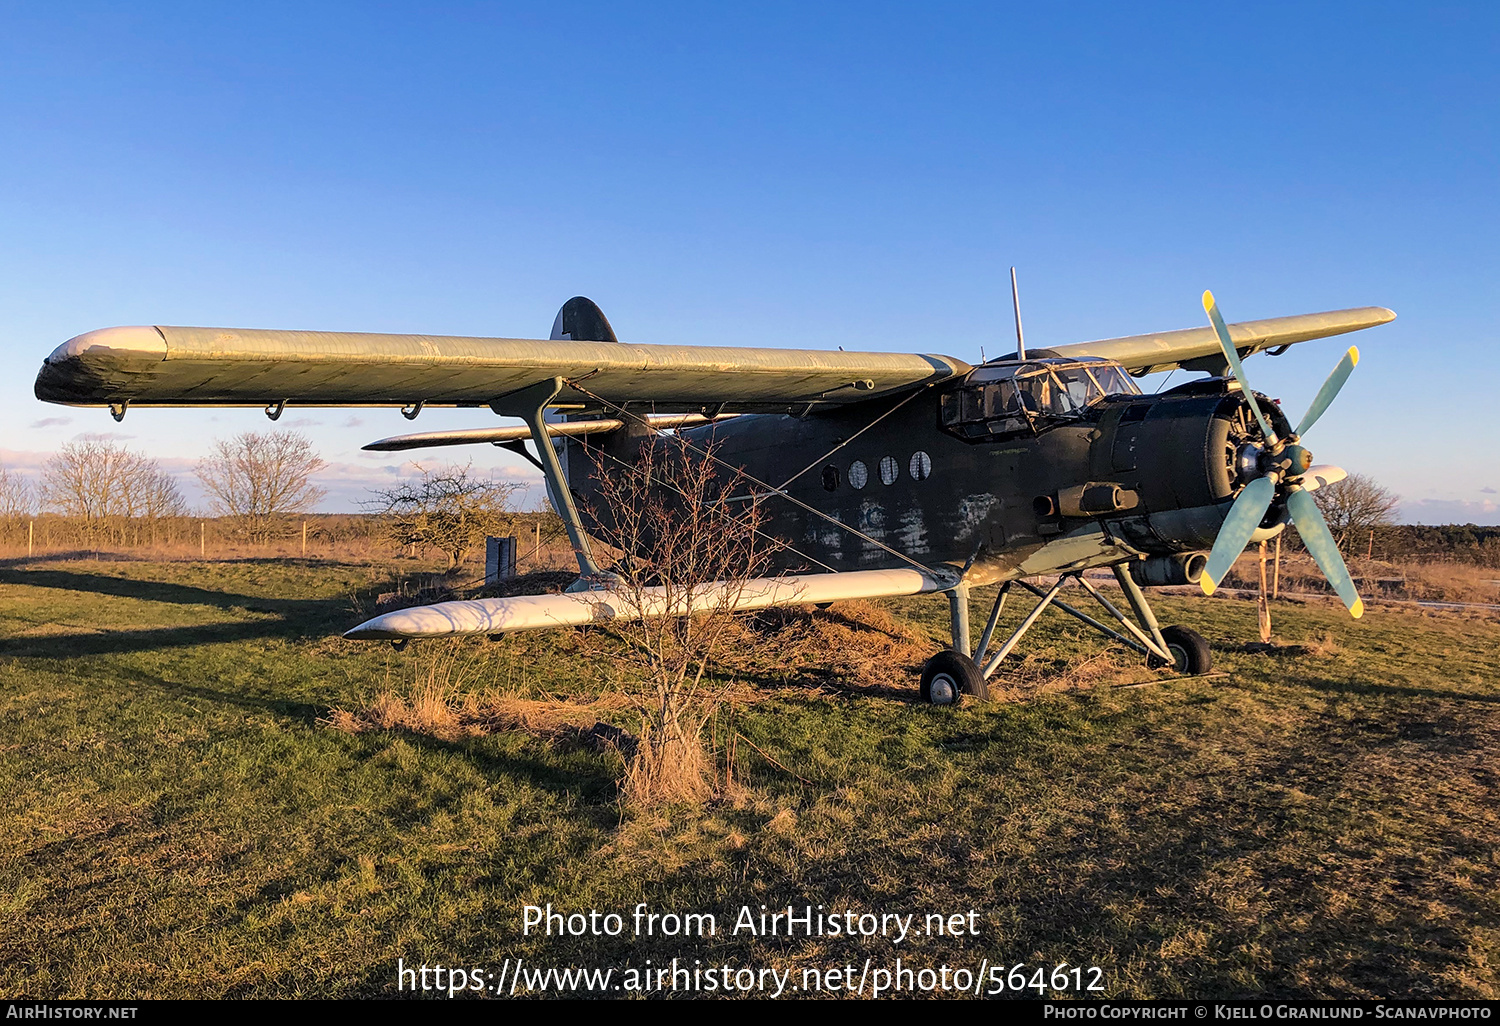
<point>296,619</point>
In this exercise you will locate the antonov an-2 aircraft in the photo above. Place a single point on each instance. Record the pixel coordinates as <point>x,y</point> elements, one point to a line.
<point>892,473</point>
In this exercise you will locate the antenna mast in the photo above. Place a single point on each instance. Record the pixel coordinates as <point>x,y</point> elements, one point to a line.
<point>1015,298</point>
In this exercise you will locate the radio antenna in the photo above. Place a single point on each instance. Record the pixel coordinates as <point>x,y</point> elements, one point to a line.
<point>1015,298</point>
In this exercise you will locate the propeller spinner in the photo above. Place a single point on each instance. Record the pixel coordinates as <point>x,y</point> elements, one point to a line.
<point>1279,471</point>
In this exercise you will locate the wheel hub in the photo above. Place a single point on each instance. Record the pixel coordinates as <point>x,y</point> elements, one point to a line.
<point>943,690</point>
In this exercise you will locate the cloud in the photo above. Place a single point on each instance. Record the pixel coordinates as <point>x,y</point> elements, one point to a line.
<point>353,422</point>
<point>303,422</point>
<point>47,422</point>
<point>1487,491</point>
<point>1451,511</point>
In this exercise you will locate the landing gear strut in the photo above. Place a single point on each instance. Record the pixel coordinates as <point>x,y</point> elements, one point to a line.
<point>953,673</point>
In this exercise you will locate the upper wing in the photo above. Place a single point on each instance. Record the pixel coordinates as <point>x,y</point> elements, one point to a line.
<point>163,366</point>
<point>1166,350</point>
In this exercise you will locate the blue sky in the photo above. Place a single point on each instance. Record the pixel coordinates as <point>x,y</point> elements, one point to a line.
<point>776,174</point>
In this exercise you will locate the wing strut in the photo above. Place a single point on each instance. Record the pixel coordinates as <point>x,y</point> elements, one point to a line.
<point>531,404</point>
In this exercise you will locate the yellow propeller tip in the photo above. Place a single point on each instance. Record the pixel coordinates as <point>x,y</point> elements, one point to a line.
<point>1207,584</point>
<point>1208,300</point>
<point>1354,355</point>
<point>1358,609</point>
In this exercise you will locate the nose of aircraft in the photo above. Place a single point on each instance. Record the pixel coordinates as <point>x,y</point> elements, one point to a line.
<point>96,367</point>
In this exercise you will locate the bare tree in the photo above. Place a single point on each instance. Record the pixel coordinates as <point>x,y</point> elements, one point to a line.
<point>448,508</point>
<point>1355,504</point>
<point>103,484</point>
<point>260,478</point>
<point>669,517</point>
<point>17,500</point>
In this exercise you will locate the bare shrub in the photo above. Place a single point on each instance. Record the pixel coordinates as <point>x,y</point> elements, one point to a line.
<point>259,479</point>
<point>448,508</point>
<point>668,514</point>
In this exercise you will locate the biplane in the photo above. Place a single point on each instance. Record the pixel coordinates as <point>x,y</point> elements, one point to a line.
<point>884,474</point>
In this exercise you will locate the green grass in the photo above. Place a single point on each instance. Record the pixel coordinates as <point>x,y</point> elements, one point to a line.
<point>179,821</point>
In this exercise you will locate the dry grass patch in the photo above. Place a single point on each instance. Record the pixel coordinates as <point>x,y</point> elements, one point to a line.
<point>1452,582</point>
<point>451,719</point>
<point>445,697</point>
<point>1410,580</point>
<point>852,646</point>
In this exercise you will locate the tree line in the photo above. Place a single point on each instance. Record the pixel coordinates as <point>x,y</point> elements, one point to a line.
<point>258,483</point>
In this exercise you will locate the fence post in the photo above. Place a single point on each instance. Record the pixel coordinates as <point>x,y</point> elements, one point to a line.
<point>30,531</point>
<point>304,537</point>
<point>202,540</point>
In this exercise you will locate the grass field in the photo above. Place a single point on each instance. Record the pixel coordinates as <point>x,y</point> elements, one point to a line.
<point>183,817</point>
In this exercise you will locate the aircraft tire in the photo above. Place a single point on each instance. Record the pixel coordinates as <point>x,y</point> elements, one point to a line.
<point>949,676</point>
<point>1189,650</point>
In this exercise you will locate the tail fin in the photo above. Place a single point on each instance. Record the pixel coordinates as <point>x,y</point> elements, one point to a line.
<point>581,320</point>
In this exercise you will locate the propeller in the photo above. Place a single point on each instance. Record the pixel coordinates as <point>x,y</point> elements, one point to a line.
<point>1283,469</point>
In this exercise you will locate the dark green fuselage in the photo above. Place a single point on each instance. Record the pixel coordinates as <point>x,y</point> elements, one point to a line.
<point>994,502</point>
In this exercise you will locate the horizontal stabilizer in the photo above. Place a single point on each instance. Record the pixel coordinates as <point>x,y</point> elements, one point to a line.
<point>568,429</point>
<point>574,609</point>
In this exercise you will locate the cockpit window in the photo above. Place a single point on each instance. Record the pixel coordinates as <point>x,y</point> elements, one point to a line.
<point>1006,398</point>
<point>1113,379</point>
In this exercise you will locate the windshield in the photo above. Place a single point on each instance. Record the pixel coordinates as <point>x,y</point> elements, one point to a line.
<point>1005,398</point>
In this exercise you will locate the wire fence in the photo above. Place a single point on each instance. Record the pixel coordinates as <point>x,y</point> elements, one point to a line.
<point>541,542</point>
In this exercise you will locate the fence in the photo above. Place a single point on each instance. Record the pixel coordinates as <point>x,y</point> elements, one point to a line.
<point>541,541</point>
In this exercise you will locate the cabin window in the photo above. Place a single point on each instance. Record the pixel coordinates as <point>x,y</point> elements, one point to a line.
<point>859,475</point>
<point>921,466</point>
<point>831,479</point>
<point>889,470</point>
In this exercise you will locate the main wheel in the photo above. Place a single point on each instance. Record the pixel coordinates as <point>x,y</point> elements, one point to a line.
<point>1189,650</point>
<point>950,675</point>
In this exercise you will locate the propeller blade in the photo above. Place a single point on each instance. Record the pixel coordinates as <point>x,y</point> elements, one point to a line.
<point>1329,390</point>
<point>1323,549</point>
<point>1244,517</point>
<point>1322,475</point>
<point>1212,309</point>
